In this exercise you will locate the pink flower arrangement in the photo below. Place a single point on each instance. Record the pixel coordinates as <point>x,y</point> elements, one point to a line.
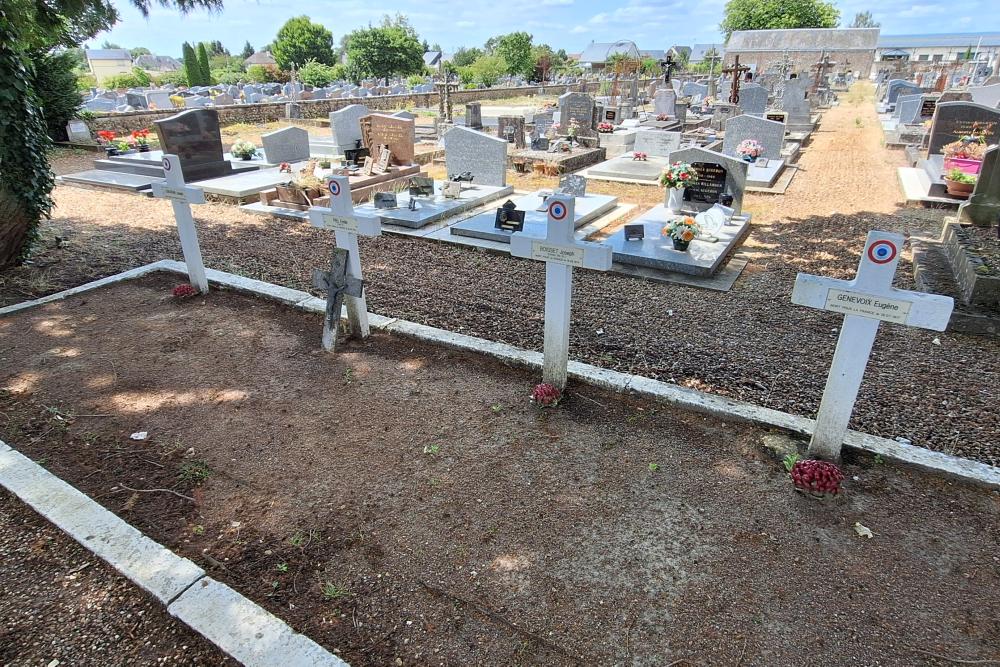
<point>184,291</point>
<point>605,128</point>
<point>750,148</point>
<point>818,478</point>
<point>662,117</point>
<point>639,156</point>
<point>678,175</point>
<point>546,395</point>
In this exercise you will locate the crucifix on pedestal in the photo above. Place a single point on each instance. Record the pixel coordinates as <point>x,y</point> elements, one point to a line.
<point>560,252</point>
<point>343,282</point>
<point>737,70</point>
<point>821,67</point>
<point>866,301</point>
<point>182,195</point>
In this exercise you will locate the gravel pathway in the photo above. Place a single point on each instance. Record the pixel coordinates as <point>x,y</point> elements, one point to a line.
<point>936,390</point>
<point>61,605</point>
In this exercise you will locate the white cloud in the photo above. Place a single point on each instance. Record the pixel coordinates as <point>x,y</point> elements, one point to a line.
<point>465,24</point>
<point>576,30</point>
<point>598,18</point>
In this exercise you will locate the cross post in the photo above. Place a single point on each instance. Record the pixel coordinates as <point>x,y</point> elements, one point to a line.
<point>339,217</point>
<point>737,71</point>
<point>866,300</point>
<point>821,67</point>
<point>181,196</point>
<point>338,284</point>
<point>561,252</point>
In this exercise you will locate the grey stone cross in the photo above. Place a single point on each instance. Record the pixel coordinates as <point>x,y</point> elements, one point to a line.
<point>337,284</point>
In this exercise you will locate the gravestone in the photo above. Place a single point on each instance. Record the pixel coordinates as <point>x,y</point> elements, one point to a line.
<point>289,144</point>
<point>158,99</point>
<point>578,107</point>
<point>194,137</point>
<point>78,132</point>
<point>693,89</point>
<point>656,142</point>
<point>573,185</point>
<point>722,113</point>
<point>770,134</point>
<point>986,95</point>
<point>953,120</point>
<point>484,156</point>
<point>903,99</point>
<point>722,174</point>
<point>474,115</point>
<point>197,102</point>
<point>398,134</point>
<point>794,102</point>
<point>136,100</point>
<point>404,114</point>
<point>222,100</point>
<point>753,98</point>
<point>983,207</point>
<point>346,125</point>
<point>511,130</point>
<point>899,87</point>
<point>908,108</point>
<point>664,101</point>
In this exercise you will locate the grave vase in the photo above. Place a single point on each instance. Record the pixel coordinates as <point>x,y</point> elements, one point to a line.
<point>681,245</point>
<point>675,199</point>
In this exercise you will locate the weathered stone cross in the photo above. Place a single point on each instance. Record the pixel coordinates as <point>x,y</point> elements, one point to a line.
<point>182,195</point>
<point>560,252</point>
<point>866,300</point>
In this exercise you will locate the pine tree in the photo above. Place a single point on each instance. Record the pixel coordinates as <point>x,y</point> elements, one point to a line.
<point>192,70</point>
<point>247,50</point>
<point>203,67</point>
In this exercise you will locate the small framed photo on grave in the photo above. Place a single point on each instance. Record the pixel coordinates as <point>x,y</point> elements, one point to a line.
<point>509,218</point>
<point>385,200</point>
<point>635,232</point>
<point>451,189</point>
<point>355,154</point>
<point>760,162</point>
<point>421,186</point>
<point>369,167</point>
<point>540,144</point>
<point>382,165</point>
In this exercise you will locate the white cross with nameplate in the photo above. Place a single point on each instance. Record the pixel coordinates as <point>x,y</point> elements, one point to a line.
<point>866,301</point>
<point>181,196</point>
<point>560,252</point>
<point>339,217</point>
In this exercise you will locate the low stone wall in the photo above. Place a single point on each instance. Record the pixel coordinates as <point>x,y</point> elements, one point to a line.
<point>123,123</point>
<point>977,290</point>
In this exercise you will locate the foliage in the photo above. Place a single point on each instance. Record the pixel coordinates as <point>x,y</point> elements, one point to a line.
<point>227,77</point>
<point>415,80</point>
<point>243,149</point>
<point>864,20</point>
<point>172,78</point>
<point>384,51</point>
<point>85,82</point>
<point>769,14</point>
<point>204,69</point>
<point>192,74</point>
<point>137,78</point>
<point>259,74</point>
<point>515,51</point>
<point>789,461</point>
<point>956,175</point>
<point>464,57</point>
<point>247,50</point>
<point>56,85</point>
<point>486,71</point>
<point>300,40</point>
<point>215,48</point>
<point>546,395</point>
<point>649,66</point>
<point>317,74</point>
<point>139,51</point>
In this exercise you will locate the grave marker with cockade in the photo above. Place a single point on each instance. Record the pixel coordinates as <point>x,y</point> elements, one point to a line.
<point>560,252</point>
<point>867,300</point>
<point>181,196</point>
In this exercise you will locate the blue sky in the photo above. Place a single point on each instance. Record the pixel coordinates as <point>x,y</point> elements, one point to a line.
<point>568,24</point>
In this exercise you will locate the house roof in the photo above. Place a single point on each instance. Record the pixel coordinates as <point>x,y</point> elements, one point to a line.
<point>260,58</point>
<point>431,58</point>
<point>955,40</point>
<point>158,63</point>
<point>803,39</point>
<point>599,52</point>
<point>108,54</point>
<point>698,51</point>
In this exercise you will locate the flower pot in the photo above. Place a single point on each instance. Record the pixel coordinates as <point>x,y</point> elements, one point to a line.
<point>675,200</point>
<point>111,151</point>
<point>963,165</point>
<point>681,245</point>
<point>961,190</point>
<point>747,158</point>
<point>143,148</point>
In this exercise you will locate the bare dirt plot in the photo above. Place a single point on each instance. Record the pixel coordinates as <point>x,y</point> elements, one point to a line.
<point>403,501</point>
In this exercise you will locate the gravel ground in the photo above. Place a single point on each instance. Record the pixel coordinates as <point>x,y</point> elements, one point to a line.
<point>61,605</point>
<point>936,390</point>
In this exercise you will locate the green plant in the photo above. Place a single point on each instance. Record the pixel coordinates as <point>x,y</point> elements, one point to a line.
<point>281,567</point>
<point>858,122</point>
<point>325,164</point>
<point>654,467</point>
<point>332,591</point>
<point>198,529</point>
<point>194,471</point>
<point>432,449</point>
<point>85,82</point>
<point>385,50</point>
<point>227,77</point>
<point>348,372</point>
<point>243,149</point>
<point>956,175</point>
<point>171,79</point>
<point>789,461</point>
<point>259,74</point>
<point>770,14</point>
<point>204,69</point>
<point>317,74</point>
<point>299,41</point>
<point>496,408</point>
<point>56,85</point>
<point>192,74</point>
<point>298,539</point>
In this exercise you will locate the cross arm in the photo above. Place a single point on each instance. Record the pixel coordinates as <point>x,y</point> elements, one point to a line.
<point>182,193</point>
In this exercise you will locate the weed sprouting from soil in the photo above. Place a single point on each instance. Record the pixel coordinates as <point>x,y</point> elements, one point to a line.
<point>194,471</point>
<point>332,591</point>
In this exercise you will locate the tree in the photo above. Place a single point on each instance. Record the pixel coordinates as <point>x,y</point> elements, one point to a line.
<point>486,71</point>
<point>384,51</point>
<point>192,71</point>
<point>300,40</point>
<point>317,74</point>
<point>515,50</point>
<point>247,50</point>
<point>259,74</point>
<point>770,14</point>
<point>139,51</point>
<point>204,69</point>
<point>864,20</point>
<point>55,83</point>
<point>465,57</point>
<point>110,45</point>
<point>28,31</point>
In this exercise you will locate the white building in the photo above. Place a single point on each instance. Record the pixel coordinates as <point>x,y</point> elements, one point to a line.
<point>934,48</point>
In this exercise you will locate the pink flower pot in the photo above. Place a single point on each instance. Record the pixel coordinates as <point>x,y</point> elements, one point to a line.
<point>965,166</point>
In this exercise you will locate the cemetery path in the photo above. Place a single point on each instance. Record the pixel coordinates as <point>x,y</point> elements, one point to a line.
<point>750,343</point>
<point>403,504</point>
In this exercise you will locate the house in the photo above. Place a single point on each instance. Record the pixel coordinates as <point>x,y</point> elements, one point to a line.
<point>848,48</point>
<point>104,63</point>
<point>152,63</point>
<point>260,58</point>
<point>596,56</point>
<point>940,48</point>
<point>432,58</point>
<point>699,52</point>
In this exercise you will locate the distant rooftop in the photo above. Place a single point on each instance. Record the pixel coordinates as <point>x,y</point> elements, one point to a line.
<point>803,39</point>
<point>158,63</point>
<point>938,39</point>
<point>108,54</point>
<point>260,58</point>
<point>698,51</point>
<point>599,52</point>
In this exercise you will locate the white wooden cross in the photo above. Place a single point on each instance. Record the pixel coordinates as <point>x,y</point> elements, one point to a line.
<point>866,301</point>
<point>346,226</point>
<point>182,196</point>
<point>560,252</point>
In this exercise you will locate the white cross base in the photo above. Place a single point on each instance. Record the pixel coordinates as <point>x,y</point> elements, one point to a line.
<point>866,301</point>
<point>182,196</point>
<point>560,252</point>
<point>339,217</point>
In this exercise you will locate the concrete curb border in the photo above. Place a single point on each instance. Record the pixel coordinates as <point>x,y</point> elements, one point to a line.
<point>236,625</point>
<point>972,471</point>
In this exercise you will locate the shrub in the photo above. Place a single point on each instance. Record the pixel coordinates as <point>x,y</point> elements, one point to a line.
<point>56,86</point>
<point>137,78</point>
<point>85,82</point>
<point>317,74</point>
<point>415,80</point>
<point>259,74</point>
<point>171,78</point>
<point>227,78</point>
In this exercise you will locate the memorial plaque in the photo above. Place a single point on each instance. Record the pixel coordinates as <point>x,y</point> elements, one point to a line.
<point>710,186</point>
<point>421,186</point>
<point>369,167</point>
<point>509,218</point>
<point>355,154</point>
<point>451,189</point>
<point>635,232</point>
<point>540,144</point>
<point>927,107</point>
<point>776,116</point>
<point>385,200</point>
<point>396,133</point>
<point>384,158</point>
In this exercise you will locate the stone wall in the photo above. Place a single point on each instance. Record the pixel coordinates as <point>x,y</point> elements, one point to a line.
<point>123,123</point>
<point>804,61</point>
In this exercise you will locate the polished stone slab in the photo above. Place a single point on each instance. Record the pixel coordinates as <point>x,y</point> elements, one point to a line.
<point>111,180</point>
<point>433,209</point>
<point>481,226</point>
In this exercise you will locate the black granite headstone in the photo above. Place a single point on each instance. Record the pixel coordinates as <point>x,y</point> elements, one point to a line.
<point>194,137</point>
<point>711,183</point>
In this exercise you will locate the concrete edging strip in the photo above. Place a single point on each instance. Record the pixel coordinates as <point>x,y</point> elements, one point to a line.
<point>973,471</point>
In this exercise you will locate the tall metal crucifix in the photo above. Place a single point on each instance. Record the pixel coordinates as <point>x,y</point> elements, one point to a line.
<point>821,67</point>
<point>737,70</point>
